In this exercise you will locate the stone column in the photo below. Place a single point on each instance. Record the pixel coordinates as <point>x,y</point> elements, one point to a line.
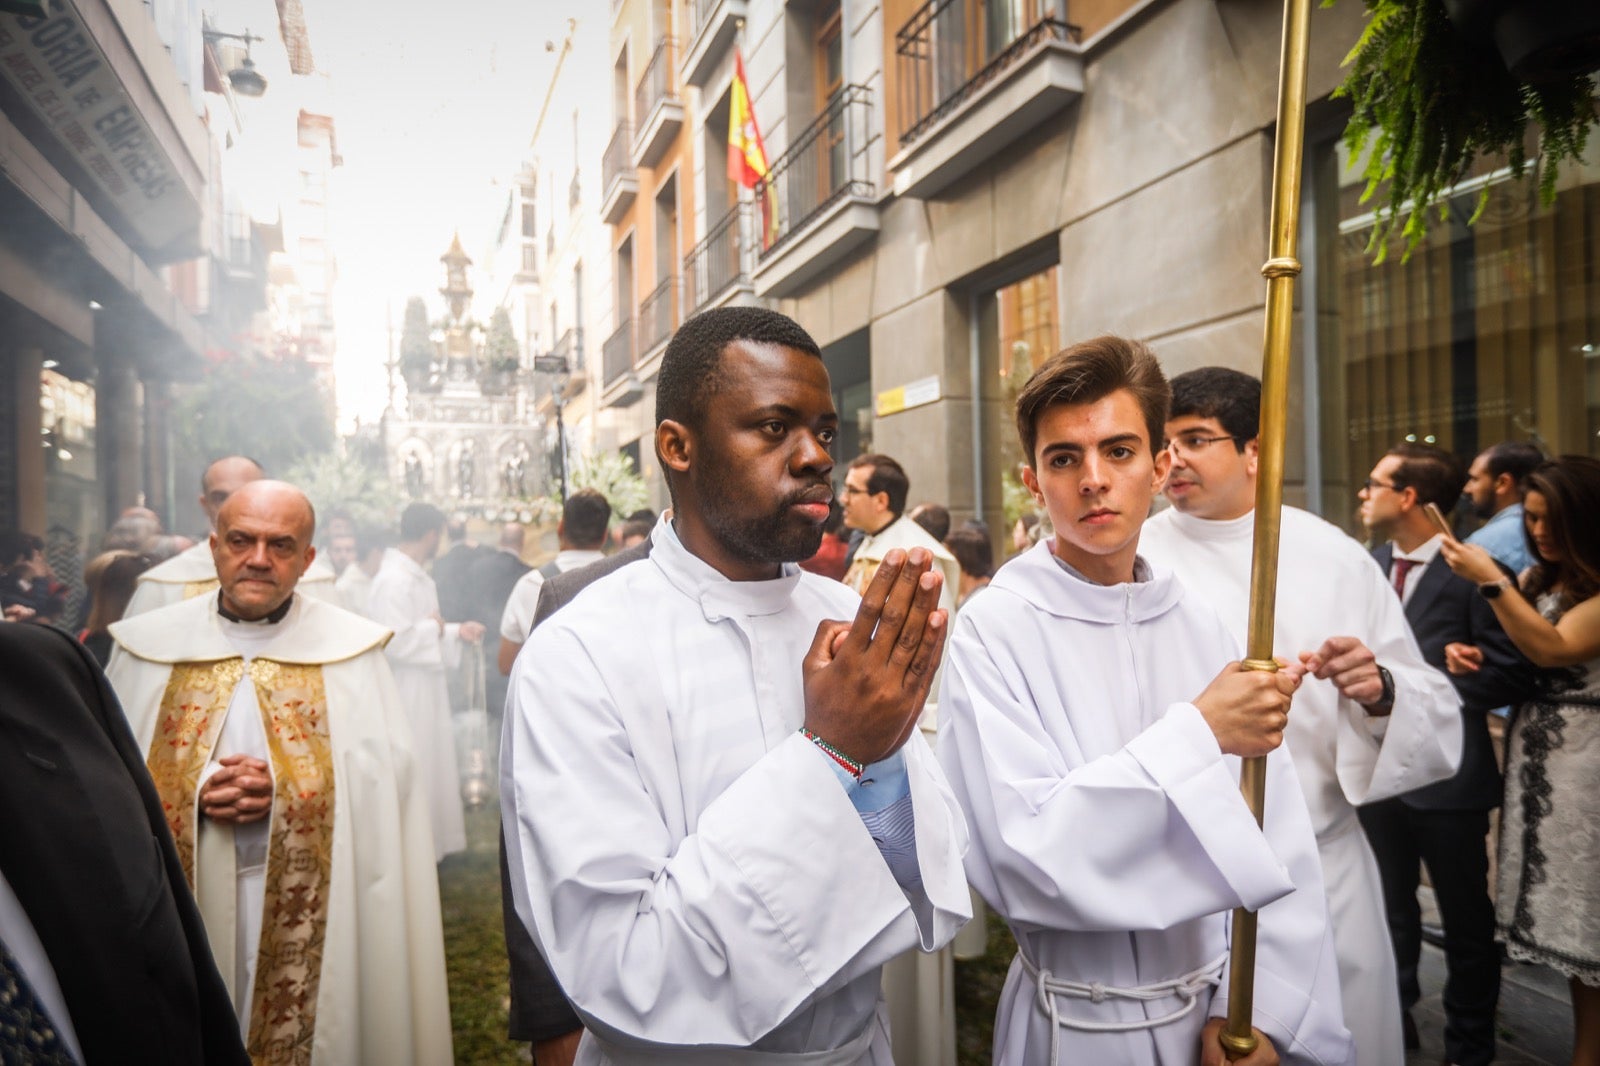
<point>119,458</point>
<point>29,501</point>
<point>157,467</point>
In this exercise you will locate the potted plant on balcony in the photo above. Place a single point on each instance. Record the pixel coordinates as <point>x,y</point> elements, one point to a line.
<point>1429,100</point>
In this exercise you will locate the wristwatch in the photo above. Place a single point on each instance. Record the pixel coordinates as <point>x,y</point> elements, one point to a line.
<point>1385,701</point>
<point>1491,590</point>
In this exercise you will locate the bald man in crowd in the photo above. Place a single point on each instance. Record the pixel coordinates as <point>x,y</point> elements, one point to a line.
<point>272,727</point>
<point>191,572</point>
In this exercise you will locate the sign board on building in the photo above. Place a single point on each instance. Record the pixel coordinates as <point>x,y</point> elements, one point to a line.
<point>904,397</point>
<point>54,63</point>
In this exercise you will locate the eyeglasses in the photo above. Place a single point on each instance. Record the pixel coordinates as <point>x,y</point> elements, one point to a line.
<point>1374,483</point>
<point>1193,443</point>
<point>848,489</point>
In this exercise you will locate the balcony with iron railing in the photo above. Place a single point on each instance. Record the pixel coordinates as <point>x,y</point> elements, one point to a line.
<point>816,205</point>
<point>657,105</point>
<point>568,353</point>
<point>718,268</point>
<point>974,76</point>
<point>622,386</point>
<point>658,317</point>
<point>570,348</point>
<point>710,27</point>
<point>619,181</point>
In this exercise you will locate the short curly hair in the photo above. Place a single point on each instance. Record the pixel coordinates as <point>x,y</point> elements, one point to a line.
<point>689,369</point>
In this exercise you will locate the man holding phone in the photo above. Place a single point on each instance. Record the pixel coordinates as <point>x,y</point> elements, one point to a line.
<point>1443,825</point>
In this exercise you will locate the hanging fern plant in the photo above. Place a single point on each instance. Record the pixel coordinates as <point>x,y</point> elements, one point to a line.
<point>1427,103</point>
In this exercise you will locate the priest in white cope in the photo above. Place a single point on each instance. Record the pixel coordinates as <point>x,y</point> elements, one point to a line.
<point>193,572</point>
<point>721,820</point>
<point>1374,721</point>
<point>274,735</point>
<point>1092,740</point>
<point>920,989</point>
<point>404,598</point>
<point>874,501</point>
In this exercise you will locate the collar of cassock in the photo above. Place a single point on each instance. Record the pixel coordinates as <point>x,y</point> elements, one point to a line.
<point>1038,578</point>
<point>718,597</point>
<point>278,615</point>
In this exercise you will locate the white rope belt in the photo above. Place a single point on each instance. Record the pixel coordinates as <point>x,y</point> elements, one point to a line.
<point>1049,988</point>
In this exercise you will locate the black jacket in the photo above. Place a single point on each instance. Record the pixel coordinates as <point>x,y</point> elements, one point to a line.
<point>85,847</point>
<point>1446,609</point>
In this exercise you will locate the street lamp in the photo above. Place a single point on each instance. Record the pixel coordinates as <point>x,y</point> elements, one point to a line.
<point>245,79</point>
<point>557,366</point>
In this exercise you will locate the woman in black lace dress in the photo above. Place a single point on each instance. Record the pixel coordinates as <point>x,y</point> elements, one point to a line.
<point>1548,902</point>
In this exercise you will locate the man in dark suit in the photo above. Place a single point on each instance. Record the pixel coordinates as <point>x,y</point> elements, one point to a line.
<point>490,579</point>
<point>1443,825</point>
<point>450,572</point>
<point>539,1009</point>
<point>104,957</point>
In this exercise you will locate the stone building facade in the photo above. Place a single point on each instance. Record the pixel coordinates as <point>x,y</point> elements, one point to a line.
<point>963,186</point>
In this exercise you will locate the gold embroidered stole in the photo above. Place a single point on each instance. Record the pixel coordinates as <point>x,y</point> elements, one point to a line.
<point>191,589</point>
<point>192,709</point>
<point>294,919</point>
<point>861,573</point>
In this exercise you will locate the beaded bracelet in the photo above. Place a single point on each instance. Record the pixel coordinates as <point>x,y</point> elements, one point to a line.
<point>851,766</point>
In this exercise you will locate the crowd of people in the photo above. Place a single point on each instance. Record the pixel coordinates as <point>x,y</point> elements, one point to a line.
<point>763,757</point>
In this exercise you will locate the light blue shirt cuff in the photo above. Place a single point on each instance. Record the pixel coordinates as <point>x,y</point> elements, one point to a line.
<point>883,800</point>
<point>882,784</point>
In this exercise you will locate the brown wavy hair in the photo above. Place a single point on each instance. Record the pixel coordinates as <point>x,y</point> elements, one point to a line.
<point>110,578</point>
<point>1570,486</point>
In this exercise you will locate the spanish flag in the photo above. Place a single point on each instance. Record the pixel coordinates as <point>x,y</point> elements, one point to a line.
<point>747,156</point>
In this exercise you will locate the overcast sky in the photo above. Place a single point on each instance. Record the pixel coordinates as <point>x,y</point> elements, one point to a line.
<point>432,104</point>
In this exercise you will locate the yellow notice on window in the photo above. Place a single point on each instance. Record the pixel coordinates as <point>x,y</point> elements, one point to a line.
<point>904,397</point>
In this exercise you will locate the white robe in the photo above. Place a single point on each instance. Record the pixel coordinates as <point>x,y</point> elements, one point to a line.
<point>382,994</point>
<point>919,989</point>
<point>355,586</point>
<point>404,598</point>
<point>1108,829</point>
<point>689,864</point>
<point>1329,586</point>
<point>165,583</point>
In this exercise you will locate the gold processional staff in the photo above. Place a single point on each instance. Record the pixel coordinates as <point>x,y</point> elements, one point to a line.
<point>1281,269</point>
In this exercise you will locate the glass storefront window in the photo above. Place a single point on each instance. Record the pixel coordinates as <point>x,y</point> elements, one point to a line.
<point>1487,333</point>
<point>1018,329</point>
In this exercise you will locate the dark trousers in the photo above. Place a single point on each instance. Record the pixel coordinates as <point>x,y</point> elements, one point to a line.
<point>1452,844</point>
<point>539,1009</point>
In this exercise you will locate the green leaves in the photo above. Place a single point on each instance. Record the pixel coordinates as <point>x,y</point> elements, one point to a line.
<point>500,347</point>
<point>272,410</point>
<point>1427,106</point>
<point>613,475</point>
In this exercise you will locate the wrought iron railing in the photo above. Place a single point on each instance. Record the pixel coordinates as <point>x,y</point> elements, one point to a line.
<point>826,162</point>
<point>241,253</point>
<point>570,348</point>
<point>616,354</point>
<point>719,261</point>
<point>656,85</point>
<point>949,49</point>
<point>658,314</point>
<point>700,12</point>
<point>618,159</point>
